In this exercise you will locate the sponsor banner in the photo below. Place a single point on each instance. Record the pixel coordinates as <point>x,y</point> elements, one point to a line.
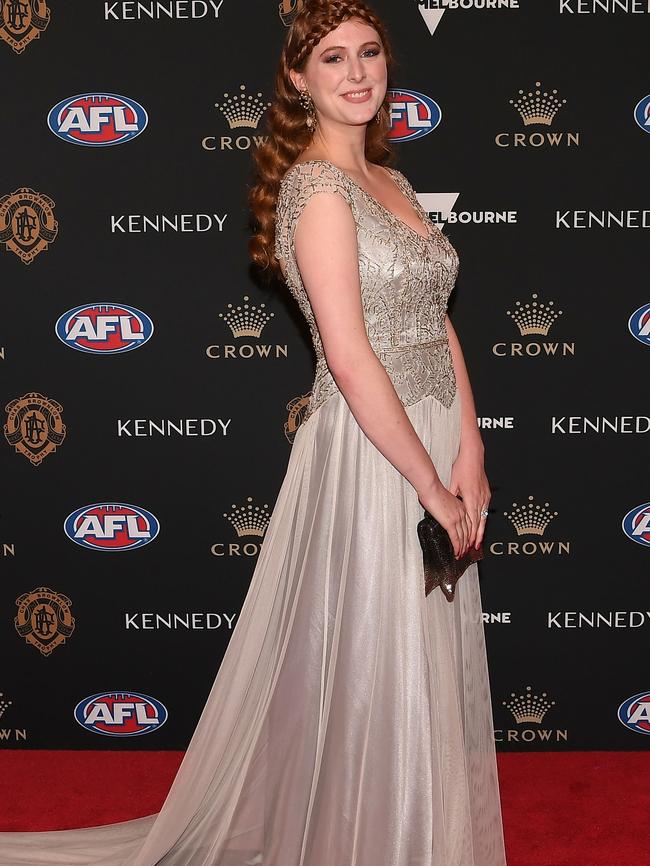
<point>126,231</point>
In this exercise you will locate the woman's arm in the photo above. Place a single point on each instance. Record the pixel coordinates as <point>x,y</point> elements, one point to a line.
<point>467,473</point>
<point>328,259</point>
<point>470,436</point>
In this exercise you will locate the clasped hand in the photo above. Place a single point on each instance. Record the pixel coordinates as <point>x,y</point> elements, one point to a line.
<point>468,480</point>
<point>462,517</point>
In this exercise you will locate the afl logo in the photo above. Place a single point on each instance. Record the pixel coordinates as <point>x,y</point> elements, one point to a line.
<point>412,115</point>
<point>97,119</point>
<point>104,328</point>
<point>639,324</point>
<point>634,713</point>
<point>120,714</point>
<point>636,524</point>
<point>111,526</point>
<point>642,113</point>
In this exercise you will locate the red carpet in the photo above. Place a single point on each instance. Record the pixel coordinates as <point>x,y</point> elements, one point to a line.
<point>559,808</point>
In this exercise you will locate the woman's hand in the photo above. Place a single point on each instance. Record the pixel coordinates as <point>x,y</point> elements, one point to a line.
<point>450,513</point>
<point>468,479</point>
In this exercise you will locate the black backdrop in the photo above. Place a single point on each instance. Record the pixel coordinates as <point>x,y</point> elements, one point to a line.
<point>563,413</point>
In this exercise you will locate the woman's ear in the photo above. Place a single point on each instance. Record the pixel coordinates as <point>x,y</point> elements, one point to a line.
<point>298,80</point>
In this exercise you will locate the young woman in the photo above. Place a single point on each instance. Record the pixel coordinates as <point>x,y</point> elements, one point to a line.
<point>350,722</point>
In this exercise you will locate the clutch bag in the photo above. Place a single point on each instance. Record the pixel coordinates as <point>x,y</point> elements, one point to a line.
<point>441,568</point>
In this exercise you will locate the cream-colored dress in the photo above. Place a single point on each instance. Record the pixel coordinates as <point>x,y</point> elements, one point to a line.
<point>350,722</point>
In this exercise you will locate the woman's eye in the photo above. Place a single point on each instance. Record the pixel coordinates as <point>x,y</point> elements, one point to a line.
<point>372,51</point>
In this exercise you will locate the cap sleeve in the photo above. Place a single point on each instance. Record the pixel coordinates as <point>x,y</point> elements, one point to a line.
<point>299,184</point>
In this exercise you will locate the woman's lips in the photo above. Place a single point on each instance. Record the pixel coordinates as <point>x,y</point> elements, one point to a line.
<point>363,97</point>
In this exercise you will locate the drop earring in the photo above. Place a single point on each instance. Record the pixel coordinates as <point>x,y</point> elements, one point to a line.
<point>307,103</point>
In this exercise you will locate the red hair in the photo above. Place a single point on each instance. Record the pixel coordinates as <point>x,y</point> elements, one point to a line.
<point>288,134</point>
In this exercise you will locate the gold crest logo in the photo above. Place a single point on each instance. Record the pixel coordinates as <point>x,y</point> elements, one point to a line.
<point>44,618</point>
<point>288,10</point>
<point>34,426</point>
<point>297,409</point>
<point>27,224</point>
<point>22,21</point>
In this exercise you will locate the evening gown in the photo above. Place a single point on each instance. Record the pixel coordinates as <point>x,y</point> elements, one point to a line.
<point>350,721</point>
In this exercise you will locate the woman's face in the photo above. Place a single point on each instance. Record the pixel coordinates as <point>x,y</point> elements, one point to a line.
<point>349,59</point>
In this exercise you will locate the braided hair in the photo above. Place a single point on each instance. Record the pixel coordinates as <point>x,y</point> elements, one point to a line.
<point>286,130</point>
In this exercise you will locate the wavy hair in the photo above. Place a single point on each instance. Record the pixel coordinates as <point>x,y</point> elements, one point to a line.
<point>288,134</point>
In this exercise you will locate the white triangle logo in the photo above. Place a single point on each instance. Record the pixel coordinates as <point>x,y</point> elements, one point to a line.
<point>438,203</point>
<point>431,17</point>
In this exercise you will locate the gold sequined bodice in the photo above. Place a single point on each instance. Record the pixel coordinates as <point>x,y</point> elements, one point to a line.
<point>406,279</point>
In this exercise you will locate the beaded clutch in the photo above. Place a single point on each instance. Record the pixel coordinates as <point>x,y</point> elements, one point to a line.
<point>441,568</point>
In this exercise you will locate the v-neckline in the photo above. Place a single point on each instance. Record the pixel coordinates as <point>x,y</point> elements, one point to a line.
<point>376,201</point>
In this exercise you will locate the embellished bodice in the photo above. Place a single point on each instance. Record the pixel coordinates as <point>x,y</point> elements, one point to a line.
<point>405,277</point>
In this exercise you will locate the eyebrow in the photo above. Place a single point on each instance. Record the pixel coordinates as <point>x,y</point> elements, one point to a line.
<point>332,47</point>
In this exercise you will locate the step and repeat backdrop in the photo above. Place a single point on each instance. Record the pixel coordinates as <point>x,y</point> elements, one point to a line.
<point>152,387</point>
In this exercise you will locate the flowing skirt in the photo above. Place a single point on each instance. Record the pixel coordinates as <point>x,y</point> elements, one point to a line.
<point>350,722</point>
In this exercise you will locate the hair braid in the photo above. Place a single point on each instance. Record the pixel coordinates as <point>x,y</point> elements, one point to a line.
<point>286,131</point>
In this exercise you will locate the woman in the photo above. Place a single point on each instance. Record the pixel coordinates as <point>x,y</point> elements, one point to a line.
<point>350,721</point>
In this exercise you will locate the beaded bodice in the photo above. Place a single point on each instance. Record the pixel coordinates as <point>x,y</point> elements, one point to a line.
<point>406,279</point>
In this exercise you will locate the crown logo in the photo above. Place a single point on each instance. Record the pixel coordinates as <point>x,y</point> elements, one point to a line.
<point>4,705</point>
<point>528,707</point>
<point>242,110</point>
<point>534,318</point>
<point>537,106</point>
<point>249,519</point>
<point>530,519</point>
<point>247,320</point>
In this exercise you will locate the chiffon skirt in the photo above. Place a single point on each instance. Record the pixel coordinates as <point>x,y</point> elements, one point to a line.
<point>350,722</point>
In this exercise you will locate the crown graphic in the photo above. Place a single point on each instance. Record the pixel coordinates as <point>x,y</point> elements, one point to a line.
<point>528,708</point>
<point>3,705</point>
<point>247,320</point>
<point>534,318</point>
<point>249,519</point>
<point>242,110</point>
<point>530,519</point>
<point>537,106</point>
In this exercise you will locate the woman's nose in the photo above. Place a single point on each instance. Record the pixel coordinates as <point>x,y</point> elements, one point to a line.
<point>356,71</point>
